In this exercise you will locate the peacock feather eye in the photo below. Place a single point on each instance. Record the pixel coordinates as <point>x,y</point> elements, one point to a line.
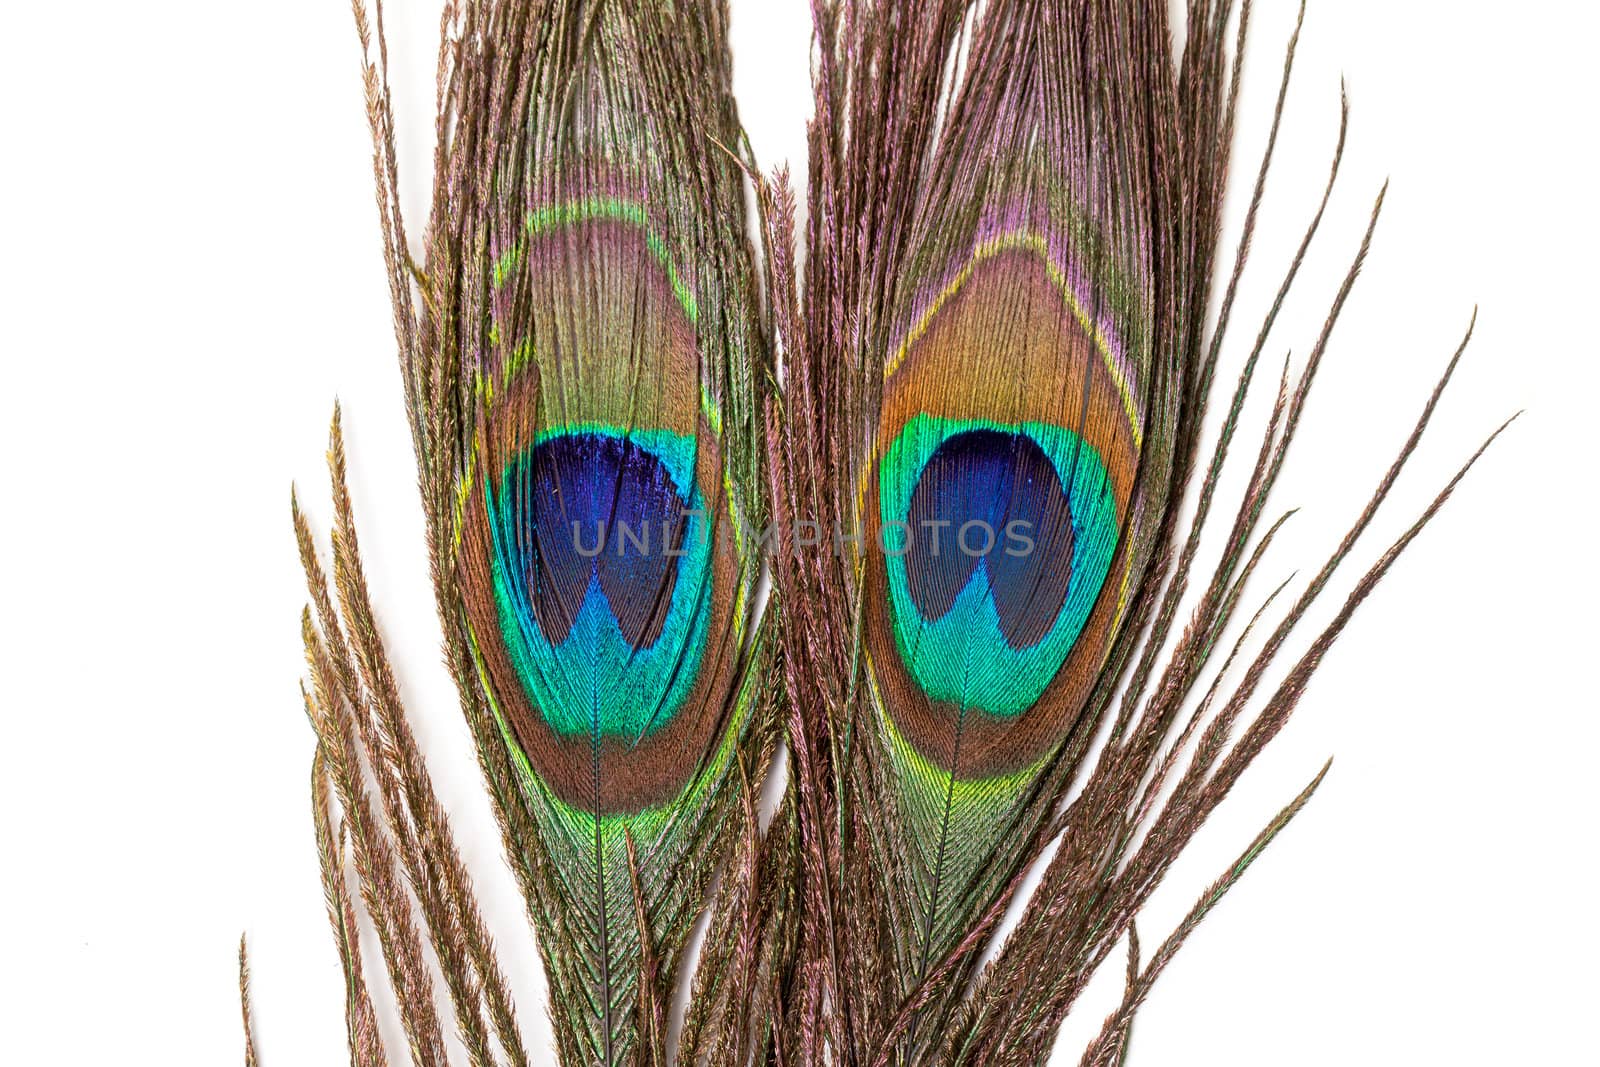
<point>595,586</point>
<point>1002,486</point>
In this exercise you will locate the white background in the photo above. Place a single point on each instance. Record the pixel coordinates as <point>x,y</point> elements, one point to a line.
<point>190,273</point>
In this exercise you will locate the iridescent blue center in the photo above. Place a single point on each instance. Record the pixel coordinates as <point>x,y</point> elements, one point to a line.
<point>602,557</point>
<point>999,538</point>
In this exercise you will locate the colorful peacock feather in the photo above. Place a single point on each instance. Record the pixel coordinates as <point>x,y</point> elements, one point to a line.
<point>1013,414</point>
<point>582,351</point>
<point>1011,367</point>
<point>1001,393</point>
<point>607,493</point>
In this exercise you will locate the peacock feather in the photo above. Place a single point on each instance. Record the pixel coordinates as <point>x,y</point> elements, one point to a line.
<point>1014,395</point>
<point>1012,418</point>
<point>582,352</point>
<point>607,498</point>
<point>607,596</point>
<point>997,364</point>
